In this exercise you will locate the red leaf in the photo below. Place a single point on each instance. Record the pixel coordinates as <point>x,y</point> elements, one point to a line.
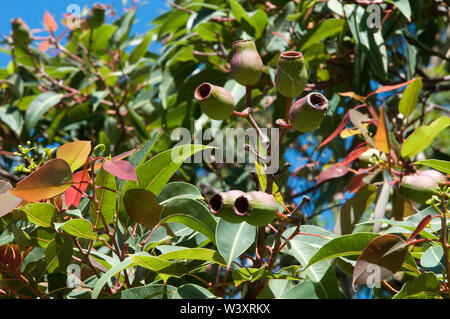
<point>387,88</point>
<point>49,22</point>
<point>356,183</point>
<point>44,45</point>
<point>80,181</point>
<point>120,169</point>
<point>332,171</point>
<point>354,154</point>
<point>340,127</point>
<point>423,223</point>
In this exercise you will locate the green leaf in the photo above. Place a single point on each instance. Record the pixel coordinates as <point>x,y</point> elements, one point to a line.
<point>194,254</point>
<point>152,291</point>
<point>156,172</point>
<point>326,29</point>
<point>140,50</point>
<point>433,259</point>
<point>142,207</point>
<point>79,228</point>
<point>191,291</point>
<point>58,254</point>
<point>151,262</point>
<point>321,273</point>
<point>423,136</point>
<point>410,97</point>
<point>39,107</point>
<point>126,263</point>
<point>191,213</point>
<point>106,198</point>
<point>232,240</point>
<point>177,190</point>
<point>346,245</point>
<point>424,285</point>
<point>252,274</point>
<point>237,10</point>
<point>304,290</point>
<point>404,7</point>
<point>440,165</point>
<point>11,117</point>
<point>41,214</point>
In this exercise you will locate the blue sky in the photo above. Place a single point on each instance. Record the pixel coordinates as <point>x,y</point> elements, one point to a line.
<point>32,12</point>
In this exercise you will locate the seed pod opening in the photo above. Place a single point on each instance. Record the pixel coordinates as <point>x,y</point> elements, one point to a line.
<point>246,63</point>
<point>257,208</point>
<point>291,75</point>
<point>215,101</point>
<point>221,205</point>
<point>308,112</point>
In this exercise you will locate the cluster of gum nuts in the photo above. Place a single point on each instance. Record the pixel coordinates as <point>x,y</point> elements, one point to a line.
<point>305,115</point>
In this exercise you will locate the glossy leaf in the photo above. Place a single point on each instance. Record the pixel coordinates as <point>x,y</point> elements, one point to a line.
<point>410,97</point>
<point>41,214</point>
<point>177,190</point>
<point>194,254</point>
<point>433,259</point>
<point>142,207</point>
<point>252,274</point>
<point>106,197</point>
<point>423,223</point>
<point>39,107</point>
<point>232,240</point>
<point>121,169</point>
<point>440,165</point>
<point>423,136</point>
<point>58,254</point>
<point>326,29</point>
<point>79,228</point>
<point>332,171</point>
<point>125,264</point>
<point>191,213</point>
<point>420,287</point>
<point>49,180</point>
<point>382,258</point>
<point>191,291</point>
<point>74,153</point>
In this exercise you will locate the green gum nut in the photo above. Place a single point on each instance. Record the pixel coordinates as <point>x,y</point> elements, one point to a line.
<point>221,205</point>
<point>307,113</point>
<point>215,101</point>
<point>246,63</point>
<point>417,187</point>
<point>291,75</point>
<point>20,32</point>
<point>257,208</point>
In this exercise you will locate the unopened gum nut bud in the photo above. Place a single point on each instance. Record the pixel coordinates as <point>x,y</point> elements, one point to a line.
<point>246,63</point>
<point>419,188</point>
<point>291,75</point>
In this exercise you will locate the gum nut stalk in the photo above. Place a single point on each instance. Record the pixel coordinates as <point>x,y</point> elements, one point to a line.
<point>258,208</point>
<point>246,63</point>
<point>215,101</point>
<point>419,188</point>
<point>291,75</point>
<point>221,205</point>
<point>307,113</point>
<point>434,175</point>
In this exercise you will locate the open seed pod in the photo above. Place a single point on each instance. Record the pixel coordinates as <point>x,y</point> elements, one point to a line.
<point>215,101</point>
<point>291,75</point>
<point>246,63</point>
<point>258,208</point>
<point>366,157</point>
<point>221,205</point>
<point>307,113</point>
<point>419,188</point>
